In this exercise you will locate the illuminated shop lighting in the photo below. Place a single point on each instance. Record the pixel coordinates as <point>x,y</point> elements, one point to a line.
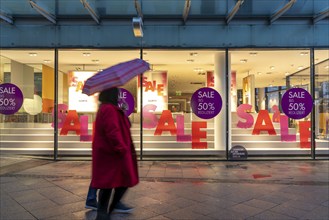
<point>46,61</point>
<point>198,69</point>
<point>300,67</point>
<point>86,54</point>
<point>253,53</point>
<point>33,54</point>
<point>194,54</point>
<point>243,60</point>
<point>138,26</point>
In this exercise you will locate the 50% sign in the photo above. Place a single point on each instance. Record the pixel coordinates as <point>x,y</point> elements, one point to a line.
<point>7,102</point>
<point>296,106</point>
<point>11,99</point>
<point>206,103</point>
<point>206,106</point>
<point>297,103</point>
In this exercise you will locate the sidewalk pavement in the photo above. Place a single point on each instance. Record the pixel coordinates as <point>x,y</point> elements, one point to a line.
<point>44,189</point>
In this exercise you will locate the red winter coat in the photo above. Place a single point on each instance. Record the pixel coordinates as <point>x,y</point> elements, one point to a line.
<point>114,162</point>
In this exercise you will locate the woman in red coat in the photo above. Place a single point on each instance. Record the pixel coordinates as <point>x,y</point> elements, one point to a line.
<point>114,162</point>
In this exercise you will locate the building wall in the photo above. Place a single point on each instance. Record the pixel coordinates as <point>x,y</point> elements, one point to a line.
<point>166,35</point>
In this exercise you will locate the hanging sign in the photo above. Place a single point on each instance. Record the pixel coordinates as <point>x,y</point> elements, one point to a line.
<point>155,90</point>
<point>297,103</point>
<point>206,103</point>
<point>126,101</point>
<point>11,99</point>
<point>78,100</point>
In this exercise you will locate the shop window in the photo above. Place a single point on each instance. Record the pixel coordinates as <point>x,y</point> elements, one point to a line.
<point>260,124</point>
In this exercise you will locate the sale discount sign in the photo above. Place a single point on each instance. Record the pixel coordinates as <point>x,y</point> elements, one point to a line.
<point>126,101</point>
<point>206,103</point>
<point>296,103</point>
<point>11,99</point>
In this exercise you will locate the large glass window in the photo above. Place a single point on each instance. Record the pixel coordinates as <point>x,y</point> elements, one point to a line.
<point>260,125</point>
<point>257,125</point>
<point>171,126</point>
<point>321,102</point>
<point>27,102</point>
<point>77,111</point>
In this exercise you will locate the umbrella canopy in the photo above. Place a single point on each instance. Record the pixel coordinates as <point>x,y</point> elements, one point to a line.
<point>115,76</point>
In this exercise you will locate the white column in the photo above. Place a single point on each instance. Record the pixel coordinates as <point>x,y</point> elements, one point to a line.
<point>220,86</point>
<point>23,76</point>
<point>261,98</point>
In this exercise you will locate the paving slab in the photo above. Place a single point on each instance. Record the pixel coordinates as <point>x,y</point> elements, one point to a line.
<point>170,190</point>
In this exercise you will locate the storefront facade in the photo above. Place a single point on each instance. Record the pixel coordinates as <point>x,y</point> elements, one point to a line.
<point>251,86</point>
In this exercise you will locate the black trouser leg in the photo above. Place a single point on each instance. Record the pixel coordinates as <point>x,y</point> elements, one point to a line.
<point>118,194</point>
<point>104,199</point>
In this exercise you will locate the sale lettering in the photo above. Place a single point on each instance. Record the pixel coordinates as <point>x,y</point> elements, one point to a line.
<point>7,90</point>
<point>122,95</point>
<point>210,94</point>
<point>300,95</point>
<point>69,121</point>
<point>153,86</point>
<point>166,123</point>
<point>264,124</point>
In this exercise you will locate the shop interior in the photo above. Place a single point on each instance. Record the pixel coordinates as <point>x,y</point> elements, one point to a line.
<point>272,72</point>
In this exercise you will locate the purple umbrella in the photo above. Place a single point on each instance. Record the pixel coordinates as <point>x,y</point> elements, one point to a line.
<point>115,76</point>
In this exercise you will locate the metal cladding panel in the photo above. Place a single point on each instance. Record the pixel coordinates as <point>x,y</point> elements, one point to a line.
<point>167,36</point>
